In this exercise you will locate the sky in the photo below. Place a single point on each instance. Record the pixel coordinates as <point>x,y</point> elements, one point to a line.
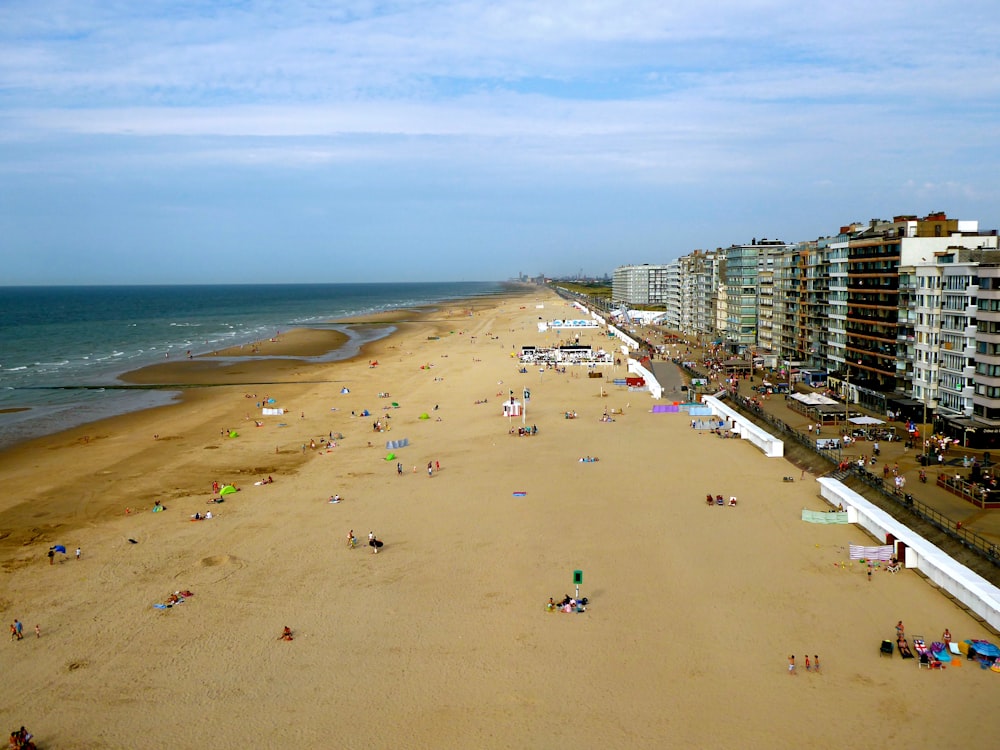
<point>186,141</point>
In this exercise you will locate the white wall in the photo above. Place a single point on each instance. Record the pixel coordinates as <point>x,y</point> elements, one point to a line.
<point>772,447</point>
<point>974,591</point>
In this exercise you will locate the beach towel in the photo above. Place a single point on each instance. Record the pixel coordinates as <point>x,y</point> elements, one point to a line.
<point>520,494</point>
<point>818,516</point>
<point>859,552</point>
<point>940,652</point>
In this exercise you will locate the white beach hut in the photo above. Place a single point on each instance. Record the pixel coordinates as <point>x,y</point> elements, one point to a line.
<point>512,408</point>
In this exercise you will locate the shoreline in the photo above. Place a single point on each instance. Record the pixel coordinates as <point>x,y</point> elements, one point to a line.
<point>300,360</point>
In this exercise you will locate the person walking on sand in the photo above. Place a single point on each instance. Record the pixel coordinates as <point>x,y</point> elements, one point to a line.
<point>19,628</point>
<point>38,631</point>
<point>808,664</point>
<point>816,663</point>
<point>899,630</point>
<point>791,664</point>
<point>78,553</point>
<point>399,469</point>
<point>13,632</point>
<point>430,469</point>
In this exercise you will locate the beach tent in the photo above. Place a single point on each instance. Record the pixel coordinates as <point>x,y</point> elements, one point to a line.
<point>227,490</point>
<point>270,412</point>
<point>345,389</point>
<point>391,457</point>
<point>425,415</point>
<point>398,443</point>
<point>233,434</point>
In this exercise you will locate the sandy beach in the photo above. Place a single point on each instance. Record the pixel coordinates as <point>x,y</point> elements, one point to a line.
<point>442,640</point>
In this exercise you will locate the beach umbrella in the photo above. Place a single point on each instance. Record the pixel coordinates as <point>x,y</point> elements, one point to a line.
<point>59,548</point>
<point>227,490</point>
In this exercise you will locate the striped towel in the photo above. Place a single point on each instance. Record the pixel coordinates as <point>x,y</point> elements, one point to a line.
<point>858,552</point>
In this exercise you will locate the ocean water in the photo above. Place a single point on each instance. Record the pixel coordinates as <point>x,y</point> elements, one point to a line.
<point>61,346</point>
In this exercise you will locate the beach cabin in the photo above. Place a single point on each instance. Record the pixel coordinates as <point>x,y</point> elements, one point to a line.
<point>512,408</point>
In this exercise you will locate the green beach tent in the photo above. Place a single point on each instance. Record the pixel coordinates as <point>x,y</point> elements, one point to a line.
<point>391,457</point>
<point>233,434</point>
<point>227,490</point>
<point>425,415</point>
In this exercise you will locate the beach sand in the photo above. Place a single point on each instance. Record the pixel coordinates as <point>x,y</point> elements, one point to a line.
<point>442,640</point>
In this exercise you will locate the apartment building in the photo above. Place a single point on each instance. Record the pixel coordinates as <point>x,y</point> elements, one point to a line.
<point>645,284</point>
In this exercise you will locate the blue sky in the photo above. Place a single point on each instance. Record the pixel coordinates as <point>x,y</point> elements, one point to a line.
<point>184,142</point>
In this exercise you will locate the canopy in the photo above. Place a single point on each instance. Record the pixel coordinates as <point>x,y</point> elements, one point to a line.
<point>227,490</point>
<point>59,548</point>
<point>865,420</point>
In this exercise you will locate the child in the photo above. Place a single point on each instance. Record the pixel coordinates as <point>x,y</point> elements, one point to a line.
<point>816,663</point>
<point>808,664</point>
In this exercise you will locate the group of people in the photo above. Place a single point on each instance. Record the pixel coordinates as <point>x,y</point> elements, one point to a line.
<point>17,631</point>
<point>811,665</point>
<point>20,739</point>
<point>719,500</point>
<point>568,604</point>
<point>374,542</point>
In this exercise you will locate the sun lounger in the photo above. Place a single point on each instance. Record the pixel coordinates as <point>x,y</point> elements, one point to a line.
<point>885,649</point>
<point>954,649</point>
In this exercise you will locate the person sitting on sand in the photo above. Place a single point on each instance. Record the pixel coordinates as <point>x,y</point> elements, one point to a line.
<point>732,501</point>
<point>286,634</point>
<point>709,500</point>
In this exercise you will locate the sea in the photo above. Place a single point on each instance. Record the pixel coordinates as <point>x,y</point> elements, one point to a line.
<point>62,349</point>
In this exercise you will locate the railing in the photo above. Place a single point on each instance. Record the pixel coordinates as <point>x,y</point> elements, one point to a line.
<point>981,546</point>
<point>978,496</point>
